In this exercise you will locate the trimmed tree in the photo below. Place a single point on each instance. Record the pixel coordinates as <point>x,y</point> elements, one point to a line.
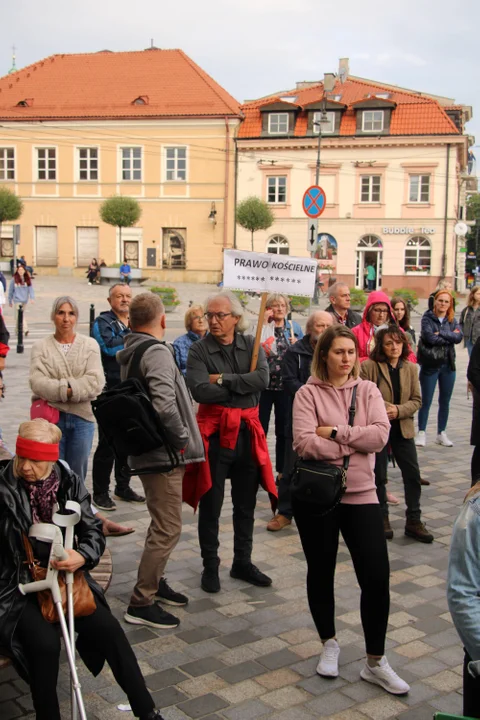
<point>11,207</point>
<point>120,211</point>
<point>254,214</point>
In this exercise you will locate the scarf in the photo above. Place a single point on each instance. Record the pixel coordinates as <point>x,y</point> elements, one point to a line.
<point>42,496</point>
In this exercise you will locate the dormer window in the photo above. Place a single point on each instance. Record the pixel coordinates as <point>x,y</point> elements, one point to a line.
<point>324,121</point>
<point>278,123</point>
<point>372,120</point>
<point>141,100</point>
<point>28,102</point>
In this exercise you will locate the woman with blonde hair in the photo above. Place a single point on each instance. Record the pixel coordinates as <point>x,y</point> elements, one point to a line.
<point>322,431</point>
<point>470,319</point>
<point>196,327</point>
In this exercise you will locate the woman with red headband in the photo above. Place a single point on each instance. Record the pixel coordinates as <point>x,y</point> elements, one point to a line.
<point>30,486</point>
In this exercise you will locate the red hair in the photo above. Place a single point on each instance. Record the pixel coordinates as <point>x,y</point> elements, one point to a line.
<point>451,309</point>
<point>26,280</point>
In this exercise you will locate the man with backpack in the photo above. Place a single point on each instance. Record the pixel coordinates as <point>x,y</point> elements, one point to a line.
<point>154,365</point>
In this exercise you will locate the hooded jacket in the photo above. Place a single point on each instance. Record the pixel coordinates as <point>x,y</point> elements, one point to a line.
<point>353,318</point>
<point>170,398</point>
<point>110,332</point>
<point>321,404</point>
<point>365,331</point>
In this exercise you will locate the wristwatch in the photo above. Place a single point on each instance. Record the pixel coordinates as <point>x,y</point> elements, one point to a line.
<point>220,380</point>
<point>333,434</point>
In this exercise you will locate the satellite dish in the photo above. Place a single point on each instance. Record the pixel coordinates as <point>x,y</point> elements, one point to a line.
<point>342,74</point>
<point>461,229</point>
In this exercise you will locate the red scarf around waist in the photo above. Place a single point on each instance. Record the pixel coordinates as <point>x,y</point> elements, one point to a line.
<point>226,421</point>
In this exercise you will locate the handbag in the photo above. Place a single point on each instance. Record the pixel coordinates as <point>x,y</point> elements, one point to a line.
<point>41,409</point>
<point>83,599</point>
<point>430,356</point>
<point>321,483</point>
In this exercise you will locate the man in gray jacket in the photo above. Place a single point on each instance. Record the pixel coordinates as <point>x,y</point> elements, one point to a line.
<point>163,489</point>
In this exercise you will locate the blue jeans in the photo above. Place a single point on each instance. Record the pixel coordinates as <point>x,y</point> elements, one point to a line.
<point>76,442</point>
<point>469,345</point>
<point>428,381</point>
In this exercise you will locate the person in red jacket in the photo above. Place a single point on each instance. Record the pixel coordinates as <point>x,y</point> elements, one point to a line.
<point>377,314</point>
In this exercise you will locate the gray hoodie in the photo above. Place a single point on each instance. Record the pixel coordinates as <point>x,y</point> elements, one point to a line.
<point>170,398</point>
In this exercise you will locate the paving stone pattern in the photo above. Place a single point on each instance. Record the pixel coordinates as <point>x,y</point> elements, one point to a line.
<point>250,653</point>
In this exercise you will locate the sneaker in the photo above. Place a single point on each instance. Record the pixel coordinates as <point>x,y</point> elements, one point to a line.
<point>104,502</point>
<point>387,528</point>
<point>152,616</point>
<point>420,438</point>
<point>328,663</point>
<point>442,439</point>
<point>129,495</point>
<point>383,675</point>
<point>278,523</point>
<point>154,715</point>
<point>250,573</point>
<point>418,531</point>
<point>210,581</point>
<point>167,596</point>
<point>392,499</point>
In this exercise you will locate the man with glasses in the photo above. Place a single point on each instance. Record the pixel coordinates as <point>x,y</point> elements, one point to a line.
<point>219,377</point>
<point>378,314</point>
<point>339,306</point>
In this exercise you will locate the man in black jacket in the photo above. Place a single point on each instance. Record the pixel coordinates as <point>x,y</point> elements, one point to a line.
<point>339,307</point>
<point>295,373</point>
<point>109,330</point>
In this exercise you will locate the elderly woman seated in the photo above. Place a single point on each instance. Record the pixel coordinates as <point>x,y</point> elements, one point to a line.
<point>31,484</point>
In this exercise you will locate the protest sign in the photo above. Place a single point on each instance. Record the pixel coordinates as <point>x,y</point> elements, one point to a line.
<point>268,272</point>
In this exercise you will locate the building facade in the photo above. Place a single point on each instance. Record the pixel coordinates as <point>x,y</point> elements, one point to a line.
<point>393,165</point>
<point>152,125</point>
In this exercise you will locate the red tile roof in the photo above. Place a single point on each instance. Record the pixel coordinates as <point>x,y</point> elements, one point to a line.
<point>105,84</point>
<point>415,114</point>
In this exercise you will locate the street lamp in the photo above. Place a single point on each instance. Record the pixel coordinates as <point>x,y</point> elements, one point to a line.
<point>318,123</point>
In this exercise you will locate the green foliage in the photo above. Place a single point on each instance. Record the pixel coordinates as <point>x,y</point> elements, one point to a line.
<point>299,303</point>
<point>168,295</point>
<point>120,211</point>
<point>11,207</point>
<point>242,296</point>
<point>410,296</point>
<point>358,297</point>
<point>254,214</point>
<point>473,207</point>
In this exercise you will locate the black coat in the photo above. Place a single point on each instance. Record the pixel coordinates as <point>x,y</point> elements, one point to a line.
<point>15,519</point>
<point>473,375</point>
<point>295,372</point>
<point>353,318</point>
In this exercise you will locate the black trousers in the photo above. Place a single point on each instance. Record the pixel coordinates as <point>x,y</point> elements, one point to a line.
<point>103,463</point>
<point>281,401</point>
<point>244,474</point>
<point>475,465</point>
<point>405,454</point>
<point>362,529</point>
<point>284,506</point>
<point>40,642</point>
<point>471,691</point>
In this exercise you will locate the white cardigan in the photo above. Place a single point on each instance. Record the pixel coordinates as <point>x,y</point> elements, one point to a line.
<point>51,372</point>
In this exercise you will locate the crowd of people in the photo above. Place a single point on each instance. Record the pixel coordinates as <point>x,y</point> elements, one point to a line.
<point>344,395</point>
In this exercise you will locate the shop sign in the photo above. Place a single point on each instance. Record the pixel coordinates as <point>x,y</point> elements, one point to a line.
<point>407,231</point>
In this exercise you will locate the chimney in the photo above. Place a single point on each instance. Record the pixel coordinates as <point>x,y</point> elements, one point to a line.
<point>343,69</point>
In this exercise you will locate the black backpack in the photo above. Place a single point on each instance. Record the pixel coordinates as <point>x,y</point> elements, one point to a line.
<point>129,421</point>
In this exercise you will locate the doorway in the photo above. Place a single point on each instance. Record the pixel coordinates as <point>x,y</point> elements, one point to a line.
<point>369,253</point>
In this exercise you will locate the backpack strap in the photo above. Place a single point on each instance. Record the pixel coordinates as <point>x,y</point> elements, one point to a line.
<point>351,418</point>
<point>139,352</point>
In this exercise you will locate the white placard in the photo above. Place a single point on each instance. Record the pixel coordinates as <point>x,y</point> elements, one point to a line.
<point>268,272</point>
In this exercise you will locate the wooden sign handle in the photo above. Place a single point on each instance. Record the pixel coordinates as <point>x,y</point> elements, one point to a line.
<point>256,346</point>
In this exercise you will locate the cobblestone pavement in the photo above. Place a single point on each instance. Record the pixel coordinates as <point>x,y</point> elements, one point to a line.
<point>251,653</point>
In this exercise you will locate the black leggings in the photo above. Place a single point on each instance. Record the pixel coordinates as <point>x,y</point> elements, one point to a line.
<point>362,529</point>
<point>41,644</point>
<point>471,691</point>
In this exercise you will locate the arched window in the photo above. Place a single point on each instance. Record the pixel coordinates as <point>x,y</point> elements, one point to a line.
<point>369,241</point>
<point>418,254</point>
<point>278,245</point>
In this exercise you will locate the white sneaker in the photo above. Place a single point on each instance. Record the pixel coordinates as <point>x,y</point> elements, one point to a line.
<point>442,439</point>
<point>383,675</point>
<point>328,663</point>
<point>420,438</point>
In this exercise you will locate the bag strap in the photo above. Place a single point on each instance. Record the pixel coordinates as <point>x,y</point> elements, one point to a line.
<point>351,418</point>
<point>139,352</point>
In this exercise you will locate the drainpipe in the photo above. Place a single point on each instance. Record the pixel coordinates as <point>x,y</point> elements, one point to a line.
<point>235,195</point>
<point>444,253</point>
<point>227,173</point>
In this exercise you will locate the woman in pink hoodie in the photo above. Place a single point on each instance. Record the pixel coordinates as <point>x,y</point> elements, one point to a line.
<point>378,313</point>
<point>321,431</point>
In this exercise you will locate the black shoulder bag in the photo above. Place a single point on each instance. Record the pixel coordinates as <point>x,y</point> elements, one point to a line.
<point>321,483</point>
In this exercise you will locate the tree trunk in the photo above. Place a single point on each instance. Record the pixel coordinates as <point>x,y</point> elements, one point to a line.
<point>120,241</point>
<point>252,240</point>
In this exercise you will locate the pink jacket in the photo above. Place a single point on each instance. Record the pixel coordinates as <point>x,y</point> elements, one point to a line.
<point>364,331</point>
<point>320,404</point>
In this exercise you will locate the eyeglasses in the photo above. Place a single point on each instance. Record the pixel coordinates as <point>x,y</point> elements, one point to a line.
<point>197,317</point>
<point>379,311</point>
<point>219,316</point>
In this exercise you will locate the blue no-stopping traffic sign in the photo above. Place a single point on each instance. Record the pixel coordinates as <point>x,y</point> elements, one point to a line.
<point>314,201</point>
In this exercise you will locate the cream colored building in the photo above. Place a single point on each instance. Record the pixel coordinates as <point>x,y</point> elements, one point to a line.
<point>77,129</point>
<point>392,164</point>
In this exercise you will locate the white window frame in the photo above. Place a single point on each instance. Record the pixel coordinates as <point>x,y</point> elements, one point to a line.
<point>88,159</point>
<point>275,243</point>
<point>4,150</point>
<point>174,173</point>
<point>421,178</point>
<point>369,186</point>
<point>326,129</point>
<point>278,116</point>
<point>368,118</point>
<point>131,169</point>
<point>276,186</point>
<point>417,244</point>
<point>47,169</point>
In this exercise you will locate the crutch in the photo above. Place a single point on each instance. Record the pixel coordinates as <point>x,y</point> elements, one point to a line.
<point>68,522</point>
<point>52,534</point>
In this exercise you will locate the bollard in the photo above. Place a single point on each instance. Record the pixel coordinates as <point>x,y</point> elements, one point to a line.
<point>92,318</point>
<point>20,347</point>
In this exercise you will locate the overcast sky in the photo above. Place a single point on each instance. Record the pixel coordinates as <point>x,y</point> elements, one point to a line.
<point>256,47</point>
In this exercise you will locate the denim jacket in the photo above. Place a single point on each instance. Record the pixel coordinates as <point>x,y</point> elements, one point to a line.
<point>463,583</point>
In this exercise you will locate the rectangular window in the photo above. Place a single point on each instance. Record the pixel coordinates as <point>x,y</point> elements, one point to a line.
<point>372,120</point>
<point>47,163</point>
<point>7,164</point>
<point>370,191</point>
<point>419,189</point>
<point>327,127</point>
<point>88,163</point>
<point>278,123</point>
<point>131,163</point>
<point>277,189</point>
<point>176,158</point>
